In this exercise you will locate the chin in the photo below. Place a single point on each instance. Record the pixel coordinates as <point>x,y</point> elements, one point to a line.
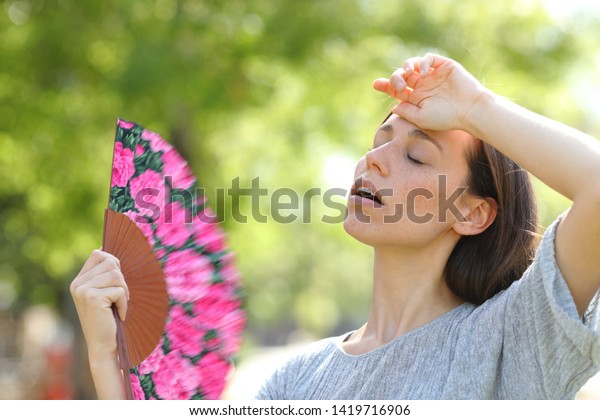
<point>352,228</point>
<point>398,234</point>
<point>368,233</point>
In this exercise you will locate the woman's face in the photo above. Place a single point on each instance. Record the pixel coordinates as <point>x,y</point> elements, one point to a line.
<point>418,177</point>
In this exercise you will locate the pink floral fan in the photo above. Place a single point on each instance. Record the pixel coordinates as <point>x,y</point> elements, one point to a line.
<point>154,187</point>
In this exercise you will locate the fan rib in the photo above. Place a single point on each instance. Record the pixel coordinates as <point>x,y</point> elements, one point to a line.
<point>148,305</point>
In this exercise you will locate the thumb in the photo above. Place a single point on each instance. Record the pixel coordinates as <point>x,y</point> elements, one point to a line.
<point>384,85</point>
<point>409,112</point>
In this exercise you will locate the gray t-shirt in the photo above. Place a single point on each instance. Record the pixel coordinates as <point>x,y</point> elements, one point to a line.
<point>527,342</point>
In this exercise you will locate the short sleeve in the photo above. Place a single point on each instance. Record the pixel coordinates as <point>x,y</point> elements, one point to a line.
<point>544,336</point>
<point>268,390</point>
<point>299,376</point>
<point>275,385</point>
<point>278,383</point>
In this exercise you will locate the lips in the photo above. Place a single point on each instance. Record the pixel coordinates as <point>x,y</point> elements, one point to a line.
<point>367,190</point>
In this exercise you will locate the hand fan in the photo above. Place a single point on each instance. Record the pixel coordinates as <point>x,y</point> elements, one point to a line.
<point>177,342</point>
<point>148,304</point>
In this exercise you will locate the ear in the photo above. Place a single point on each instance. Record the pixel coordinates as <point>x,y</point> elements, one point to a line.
<point>478,213</point>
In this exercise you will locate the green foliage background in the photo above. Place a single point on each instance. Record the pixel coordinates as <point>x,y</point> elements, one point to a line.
<point>244,89</point>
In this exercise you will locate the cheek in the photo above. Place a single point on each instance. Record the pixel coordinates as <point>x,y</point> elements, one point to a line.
<point>421,203</point>
<point>416,193</point>
<point>426,198</point>
<point>440,199</point>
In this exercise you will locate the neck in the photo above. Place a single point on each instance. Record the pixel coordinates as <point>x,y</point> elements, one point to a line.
<point>409,291</point>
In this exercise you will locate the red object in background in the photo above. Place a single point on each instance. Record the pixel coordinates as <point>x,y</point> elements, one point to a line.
<point>57,379</point>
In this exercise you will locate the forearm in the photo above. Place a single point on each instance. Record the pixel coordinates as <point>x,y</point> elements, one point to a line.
<point>107,377</point>
<point>563,158</point>
<point>566,160</point>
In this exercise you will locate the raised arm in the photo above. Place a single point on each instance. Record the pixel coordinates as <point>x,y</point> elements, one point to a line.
<point>437,93</point>
<point>99,284</point>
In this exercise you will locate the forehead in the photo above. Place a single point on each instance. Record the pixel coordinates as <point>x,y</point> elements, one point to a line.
<point>452,141</point>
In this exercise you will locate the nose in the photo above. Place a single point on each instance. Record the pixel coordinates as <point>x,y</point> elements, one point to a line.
<point>377,160</point>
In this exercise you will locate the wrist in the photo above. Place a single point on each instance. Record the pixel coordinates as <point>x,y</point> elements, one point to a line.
<point>107,376</point>
<point>100,360</point>
<point>476,116</point>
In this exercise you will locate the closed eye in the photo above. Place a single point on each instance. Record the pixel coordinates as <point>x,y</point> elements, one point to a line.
<point>413,160</point>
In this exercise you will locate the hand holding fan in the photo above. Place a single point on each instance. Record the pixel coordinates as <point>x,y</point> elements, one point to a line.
<point>184,321</point>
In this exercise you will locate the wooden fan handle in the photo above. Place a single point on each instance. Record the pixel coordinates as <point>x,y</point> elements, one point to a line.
<point>124,361</point>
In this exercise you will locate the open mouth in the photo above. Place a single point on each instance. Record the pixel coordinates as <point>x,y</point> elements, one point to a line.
<point>366,190</point>
<point>366,193</point>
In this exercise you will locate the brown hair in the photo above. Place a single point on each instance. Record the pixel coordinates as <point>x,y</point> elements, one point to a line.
<point>482,265</point>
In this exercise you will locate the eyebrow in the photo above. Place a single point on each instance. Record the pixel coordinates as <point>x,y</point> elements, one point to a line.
<point>416,133</point>
<point>387,128</point>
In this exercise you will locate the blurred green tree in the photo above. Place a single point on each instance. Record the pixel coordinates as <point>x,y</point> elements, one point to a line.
<point>276,90</point>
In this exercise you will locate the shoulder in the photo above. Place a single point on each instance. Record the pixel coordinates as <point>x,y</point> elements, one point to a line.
<point>303,359</point>
<point>538,329</point>
<point>312,353</point>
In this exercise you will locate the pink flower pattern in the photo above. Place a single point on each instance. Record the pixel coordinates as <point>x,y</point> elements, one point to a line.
<point>213,368</point>
<point>152,362</point>
<point>185,329</point>
<point>177,378</point>
<point>125,124</point>
<point>157,143</point>
<point>173,225</point>
<point>136,387</point>
<point>205,321</point>
<point>148,191</point>
<point>188,275</point>
<point>139,150</point>
<point>177,169</point>
<point>123,167</point>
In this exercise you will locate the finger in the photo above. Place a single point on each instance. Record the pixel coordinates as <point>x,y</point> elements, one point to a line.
<point>384,85</point>
<point>406,77</point>
<point>431,61</point>
<point>408,67</point>
<point>413,80</point>
<point>113,278</point>
<point>120,301</point>
<point>108,264</point>
<point>412,65</point>
<point>403,82</point>
<point>105,274</point>
<point>106,297</point>
<point>425,69</point>
<point>95,258</point>
<point>426,64</point>
<point>408,111</point>
<point>398,80</point>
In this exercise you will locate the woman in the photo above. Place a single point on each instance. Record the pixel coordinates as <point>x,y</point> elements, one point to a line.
<point>452,223</point>
<point>439,327</point>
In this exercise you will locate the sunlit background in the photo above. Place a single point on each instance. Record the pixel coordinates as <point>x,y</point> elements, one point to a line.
<point>279,90</point>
